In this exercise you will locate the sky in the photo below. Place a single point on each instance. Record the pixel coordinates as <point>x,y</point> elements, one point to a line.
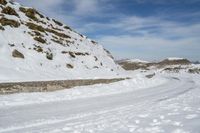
<point>144,29</point>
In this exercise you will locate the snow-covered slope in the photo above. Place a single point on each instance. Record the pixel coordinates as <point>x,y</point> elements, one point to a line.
<point>35,47</point>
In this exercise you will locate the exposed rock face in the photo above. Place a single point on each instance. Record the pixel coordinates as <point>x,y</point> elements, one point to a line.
<point>10,22</point>
<point>69,66</point>
<point>17,54</point>
<point>3,2</point>
<point>9,10</point>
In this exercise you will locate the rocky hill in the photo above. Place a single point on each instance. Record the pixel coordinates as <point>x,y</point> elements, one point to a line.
<point>175,61</point>
<point>169,65</point>
<point>36,47</point>
<point>133,64</point>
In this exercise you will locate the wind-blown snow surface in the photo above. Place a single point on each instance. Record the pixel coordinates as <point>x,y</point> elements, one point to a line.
<point>95,62</point>
<point>174,58</point>
<point>167,103</point>
<point>136,61</point>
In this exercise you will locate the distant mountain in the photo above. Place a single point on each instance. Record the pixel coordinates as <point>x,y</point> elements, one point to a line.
<point>175,61</point>
<point>167,65</point>
<point>133,64</point>
<point>36,47</point>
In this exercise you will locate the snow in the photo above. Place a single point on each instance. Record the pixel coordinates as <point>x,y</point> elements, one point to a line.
<point>136,61</point>
<point>166,103</point>
<point>174,58</point>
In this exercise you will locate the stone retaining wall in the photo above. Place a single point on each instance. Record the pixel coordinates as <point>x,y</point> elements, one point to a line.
<point>45,86</point>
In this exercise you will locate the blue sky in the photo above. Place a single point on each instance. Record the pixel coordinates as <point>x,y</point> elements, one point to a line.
<point>145,29</point>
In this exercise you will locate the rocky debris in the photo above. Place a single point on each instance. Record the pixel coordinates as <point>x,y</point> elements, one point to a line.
<point>39,28</point>
<point>49,56</point>
<point>150,75</point>
<point>173,69</point>
<point>108,53</point>
<point>69,66</point>
<point>3,2</point>
<point>39,49</point>
<point>194,70</point>
<point>10,22</point>
<point>72,54</point>
<point>67,27</point>
<point>10,11</point>
<point>31,13</point>
<point>57,22</point>
<point>17,54</point>
<point>35,27</point>
<point>59,34</point>
<point>39,39</point>
<point>1,28</point>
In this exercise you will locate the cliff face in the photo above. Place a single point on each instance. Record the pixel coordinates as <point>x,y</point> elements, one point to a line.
<point>35,47</point>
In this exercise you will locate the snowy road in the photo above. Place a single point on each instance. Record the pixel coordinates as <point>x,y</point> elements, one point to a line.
<point>170,106</point>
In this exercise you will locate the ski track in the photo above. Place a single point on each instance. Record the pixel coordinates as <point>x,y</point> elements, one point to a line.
<point>172,107</point>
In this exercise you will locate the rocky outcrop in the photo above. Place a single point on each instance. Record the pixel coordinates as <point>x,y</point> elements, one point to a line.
<point>17,54</point>
<point>44,86</point>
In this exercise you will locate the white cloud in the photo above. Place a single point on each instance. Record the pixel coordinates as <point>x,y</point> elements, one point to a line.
<point>44,5</point>
<point>85,7</point>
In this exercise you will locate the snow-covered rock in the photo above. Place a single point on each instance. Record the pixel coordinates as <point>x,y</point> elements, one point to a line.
<point>50,49</point>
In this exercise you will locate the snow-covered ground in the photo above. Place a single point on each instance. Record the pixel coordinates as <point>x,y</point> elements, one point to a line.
<point>167,103</point>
